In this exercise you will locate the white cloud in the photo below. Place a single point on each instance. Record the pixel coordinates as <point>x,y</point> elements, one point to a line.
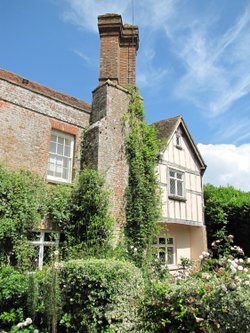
<point>217,68</point>
<point>227,165</point>
<point>150,15</point>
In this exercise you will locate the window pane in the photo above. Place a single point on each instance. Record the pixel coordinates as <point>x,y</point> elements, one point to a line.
<point>67,151</point>
<point>61,140</point>
<point>60,149</point>
<point>47,252</point>
<point>66,163</point>
<point>179,175</point>
<point>179,188</point>
<point>65,174</point>
<point>170,241</point>
<point>171,173</point>
<point>162,255</point>
<point>52,159</point>
<point>170,259</point>
<point>172,186</point>
<point>162,240</point>
<point>52,147</point>
<point>67,142</point>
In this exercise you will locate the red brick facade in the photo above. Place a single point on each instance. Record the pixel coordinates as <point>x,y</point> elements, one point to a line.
<point>119,44</point>
<point>30,111</point>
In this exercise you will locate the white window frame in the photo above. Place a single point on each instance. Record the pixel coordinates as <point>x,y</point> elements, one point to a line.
<point>41,243</point>
<point>177,180</point>
<point>61,157</point>
<point>160,246</point>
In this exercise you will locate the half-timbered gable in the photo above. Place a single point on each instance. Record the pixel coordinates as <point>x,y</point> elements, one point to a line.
<point>180,171</point>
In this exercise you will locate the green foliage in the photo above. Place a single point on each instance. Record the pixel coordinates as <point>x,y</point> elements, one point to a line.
<point>13,294</point>
<point>90,227</point>
<point>58,200</point>
<point>227,210</point>
<point>44,299</point>
<point>25,200</point>
<point>213,299</point>
<point>21,209</point>
<point>143,194</point>
<point>100,295</point>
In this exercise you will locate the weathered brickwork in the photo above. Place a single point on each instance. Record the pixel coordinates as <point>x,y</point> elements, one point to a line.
<point>109,132</point>
<point>119,44</point>
<point>26,121</point>
<point>29,111</point>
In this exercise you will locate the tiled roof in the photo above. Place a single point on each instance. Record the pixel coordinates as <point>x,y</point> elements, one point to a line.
<point>40,89</point>
<point>166,127</point>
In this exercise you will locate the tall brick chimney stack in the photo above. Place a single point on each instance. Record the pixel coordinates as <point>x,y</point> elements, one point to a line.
<point>119,44</point>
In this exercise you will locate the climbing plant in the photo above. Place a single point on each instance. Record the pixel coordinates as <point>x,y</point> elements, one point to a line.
<point>143,194</point>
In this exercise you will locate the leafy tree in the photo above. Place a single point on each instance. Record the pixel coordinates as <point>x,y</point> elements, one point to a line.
<point>227,210</point>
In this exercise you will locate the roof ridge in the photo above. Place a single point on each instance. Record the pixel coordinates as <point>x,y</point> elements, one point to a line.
<point>44,90</point>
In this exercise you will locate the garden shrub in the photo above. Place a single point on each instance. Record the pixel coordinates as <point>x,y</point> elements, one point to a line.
<point>214,299</point>
<point>21,209</point>
<point>44,299</point>
<point>90,227</point>
<point>100,295</point>
<point>13,296</point>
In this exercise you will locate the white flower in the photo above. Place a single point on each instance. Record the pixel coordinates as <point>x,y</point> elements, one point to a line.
<point>241,260</point>
<point>231,236</point>
<point>248,260</point>
<point>205,254</point>
<point>223,287</point>
<point>233,270</point>
<point>58,265</point>
<point>247,283</point>
<point>229,260</point>
<point>56,253</point>
<point>36,331</point>
<point>19,325</point>
<point>236,260</point>
<point>206,276</point>
<point>245,269</point>
<point>27,322</point>
<point>201,257</point>
<point>240,268</point>
<point>234,264</point>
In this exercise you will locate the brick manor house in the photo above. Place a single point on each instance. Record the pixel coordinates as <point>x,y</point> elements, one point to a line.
<point>40,130</point>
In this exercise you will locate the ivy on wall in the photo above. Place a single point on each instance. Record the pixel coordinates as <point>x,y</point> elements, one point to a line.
<point>143,193</point>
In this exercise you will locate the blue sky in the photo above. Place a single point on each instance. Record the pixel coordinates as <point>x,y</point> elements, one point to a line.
<point>193,60</point>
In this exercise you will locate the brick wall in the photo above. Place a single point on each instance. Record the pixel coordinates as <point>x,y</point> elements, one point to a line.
<point>119,44</point>
<point>26,120</point>
<point>107,134</point>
